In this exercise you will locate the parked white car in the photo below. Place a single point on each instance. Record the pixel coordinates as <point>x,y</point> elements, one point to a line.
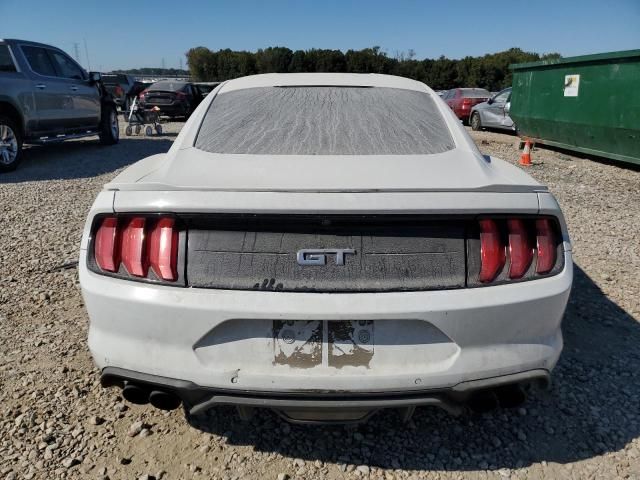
<point>325,245</point>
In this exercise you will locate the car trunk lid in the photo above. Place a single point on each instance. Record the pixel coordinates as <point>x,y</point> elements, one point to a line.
<point>456,170</point>
<point>160,97</point>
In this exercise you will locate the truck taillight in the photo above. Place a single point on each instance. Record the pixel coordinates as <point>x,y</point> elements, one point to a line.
<point>137,246</point>
<point>509,246</point>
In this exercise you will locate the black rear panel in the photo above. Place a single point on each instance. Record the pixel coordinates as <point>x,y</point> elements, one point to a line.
<point>160,98</point>
<point>389,254</point>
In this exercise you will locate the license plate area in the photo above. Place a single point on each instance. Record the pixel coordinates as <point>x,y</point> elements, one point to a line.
<point>328,343</point>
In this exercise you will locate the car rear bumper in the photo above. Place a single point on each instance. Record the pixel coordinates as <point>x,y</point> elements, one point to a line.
<point>168,109</point>
<point>311,407</point>
<point>225,339</point>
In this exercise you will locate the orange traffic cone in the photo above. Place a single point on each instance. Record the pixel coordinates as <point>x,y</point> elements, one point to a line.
<point>525,158</point>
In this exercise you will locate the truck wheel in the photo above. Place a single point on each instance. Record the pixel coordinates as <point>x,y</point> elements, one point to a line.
<point>10,144</point>
<point>109,128</point>
<point>476,123</point>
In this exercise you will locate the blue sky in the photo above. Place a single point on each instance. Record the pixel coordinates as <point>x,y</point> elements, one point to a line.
<point>127,34</point>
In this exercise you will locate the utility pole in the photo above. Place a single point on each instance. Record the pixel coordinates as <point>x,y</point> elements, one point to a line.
<point>86,51</point>
<point>76,51</point>
<point>180,63</point>
<point>163,63</point>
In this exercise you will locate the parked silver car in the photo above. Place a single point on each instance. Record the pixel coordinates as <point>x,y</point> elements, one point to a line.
<point>494,113</point>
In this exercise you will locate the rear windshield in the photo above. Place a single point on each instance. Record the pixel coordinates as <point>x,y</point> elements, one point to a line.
<point>6,63</point>
<point>324,121</point>
<point>168,86</point>
<point>475,93</point>
<point>113,79</point>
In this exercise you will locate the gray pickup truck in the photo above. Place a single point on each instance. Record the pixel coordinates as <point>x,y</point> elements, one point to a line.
<point>45,97</point>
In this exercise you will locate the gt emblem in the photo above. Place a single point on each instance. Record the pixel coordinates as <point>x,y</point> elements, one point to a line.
<point>319,256</point>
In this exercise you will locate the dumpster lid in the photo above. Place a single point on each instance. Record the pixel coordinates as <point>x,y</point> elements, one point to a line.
<point>598,57</point>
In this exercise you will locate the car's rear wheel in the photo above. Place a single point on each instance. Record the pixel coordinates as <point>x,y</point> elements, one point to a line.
<point>10,144</point>
<point>476,123</point>
<point>109,127</point>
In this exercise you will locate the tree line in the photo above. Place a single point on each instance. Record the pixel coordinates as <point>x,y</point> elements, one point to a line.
<point>489,71</point>
<point>153,71</point>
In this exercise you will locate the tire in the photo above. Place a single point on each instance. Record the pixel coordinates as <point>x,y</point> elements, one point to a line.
<point>128,131</point>
<point>476,122</point>
<point>148,131</point>
<point>10,144</point>
<point>109,127</point>
<point>159,129</point>
<point>138,129</point>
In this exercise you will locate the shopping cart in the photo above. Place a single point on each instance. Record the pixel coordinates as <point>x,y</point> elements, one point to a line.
<point>139,118</point>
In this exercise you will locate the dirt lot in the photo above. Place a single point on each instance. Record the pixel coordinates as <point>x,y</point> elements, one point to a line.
<point>56,422</point>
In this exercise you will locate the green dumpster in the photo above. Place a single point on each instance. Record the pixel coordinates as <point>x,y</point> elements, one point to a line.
<point>590,104</point>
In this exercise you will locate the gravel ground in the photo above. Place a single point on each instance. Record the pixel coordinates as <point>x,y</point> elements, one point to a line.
<point>56,422</point>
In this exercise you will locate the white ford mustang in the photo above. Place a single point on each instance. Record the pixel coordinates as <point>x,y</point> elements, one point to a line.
<point>325,245</point>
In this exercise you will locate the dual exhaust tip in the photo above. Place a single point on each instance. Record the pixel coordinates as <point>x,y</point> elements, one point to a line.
<point>506,396</point>
<point>142,395</point>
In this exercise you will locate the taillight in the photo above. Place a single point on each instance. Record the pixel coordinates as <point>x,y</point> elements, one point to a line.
<point>546,245</point>
<point>163,249</point>
<point>137,246</point>
<point>492,253</point>
<point>520,252</point>
<point>466,101</point>
<point>134,254</point>
<point>526,239</point>
<point>107,248</point>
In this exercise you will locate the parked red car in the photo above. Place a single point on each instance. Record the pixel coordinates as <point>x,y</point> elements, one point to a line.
<point>462,99</point>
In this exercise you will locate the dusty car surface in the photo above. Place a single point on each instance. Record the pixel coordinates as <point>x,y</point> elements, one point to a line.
<point>325,245</point>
